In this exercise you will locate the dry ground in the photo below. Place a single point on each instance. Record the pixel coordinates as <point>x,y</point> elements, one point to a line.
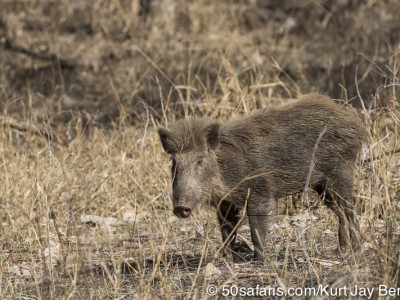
<point>84,185</point>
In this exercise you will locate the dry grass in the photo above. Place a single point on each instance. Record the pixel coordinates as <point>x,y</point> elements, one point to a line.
<point>87,213</point>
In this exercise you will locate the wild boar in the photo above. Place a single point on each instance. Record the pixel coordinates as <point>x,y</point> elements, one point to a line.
<point>251,161</point>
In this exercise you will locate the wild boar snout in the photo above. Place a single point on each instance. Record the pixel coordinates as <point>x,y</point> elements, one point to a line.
<point>182,211</point>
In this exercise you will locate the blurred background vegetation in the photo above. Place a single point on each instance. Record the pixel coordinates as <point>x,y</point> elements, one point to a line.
<point>113,61</point>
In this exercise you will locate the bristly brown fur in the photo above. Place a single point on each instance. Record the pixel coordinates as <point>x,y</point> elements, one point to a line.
<point>187,135</point>
<point>264,156</point>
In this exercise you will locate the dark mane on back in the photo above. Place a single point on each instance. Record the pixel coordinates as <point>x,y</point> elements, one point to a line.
<point>241,132</point>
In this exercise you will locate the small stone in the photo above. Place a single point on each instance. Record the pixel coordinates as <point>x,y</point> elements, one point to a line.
<point>211,271</point>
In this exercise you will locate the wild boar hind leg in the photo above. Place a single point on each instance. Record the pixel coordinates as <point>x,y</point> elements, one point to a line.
<point>228,217</point>
<point>340,199</point>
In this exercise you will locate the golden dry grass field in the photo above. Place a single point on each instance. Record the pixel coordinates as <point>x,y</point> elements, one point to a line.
<point>85,192</point>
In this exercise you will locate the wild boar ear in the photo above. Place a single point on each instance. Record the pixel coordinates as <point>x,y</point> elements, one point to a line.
<point>167,140</point>
<point>212,134</point>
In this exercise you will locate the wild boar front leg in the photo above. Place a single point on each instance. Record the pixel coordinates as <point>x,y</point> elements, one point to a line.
<point>228,217</point>
<point>260,211</point>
